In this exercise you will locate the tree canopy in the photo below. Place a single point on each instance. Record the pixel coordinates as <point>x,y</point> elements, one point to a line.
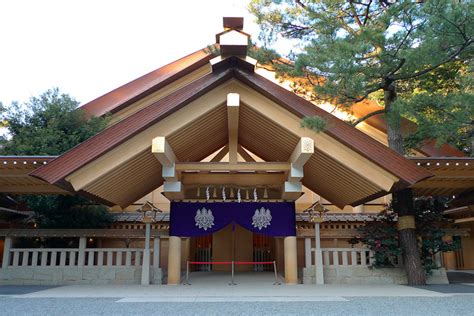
<point>350,51</point>
<point>51,124</point>
<point>384,50</point>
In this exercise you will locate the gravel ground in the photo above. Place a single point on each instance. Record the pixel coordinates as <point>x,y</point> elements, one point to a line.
<point>452,305</point>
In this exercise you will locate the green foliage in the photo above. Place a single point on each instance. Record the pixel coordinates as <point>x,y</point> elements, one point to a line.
<point>47,125</point>
<point>314,123</point>
<point>355,50</point>
<point>65,211</point>
<point>50,125</point>
<point>381,234</point>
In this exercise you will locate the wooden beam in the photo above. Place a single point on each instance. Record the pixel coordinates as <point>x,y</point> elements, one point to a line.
<point>173,190</point>
<point>302,152</point>
<point>141,142</point>
<point>233,102</point>
<point>169,173</point>
<point>292,191</point>
<point>323,142</point>
<point>163,151</point>
<point>33,189</point>
<point>435,183</point>
<point>237,179</point>
<point>242,152</point>
<point>221,154</point>
<point>241,166</point>
<point>464,220</point>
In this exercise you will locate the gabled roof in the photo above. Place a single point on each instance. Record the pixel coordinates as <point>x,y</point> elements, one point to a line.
<point>119,98</point>
<point>235,68</point>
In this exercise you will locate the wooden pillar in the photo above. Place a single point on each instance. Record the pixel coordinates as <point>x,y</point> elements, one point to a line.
<point>174,260</point>
<point>291,263</point>
<point>318,255</point>
<point>6,252</point>
<point>307,252</point>
<point>156,252</point>
<point>449,257</point>
<point>146,256</point>
<point>82,251</point>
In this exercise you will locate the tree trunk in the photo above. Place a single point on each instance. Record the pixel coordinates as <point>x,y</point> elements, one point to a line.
<point>472,145</point>
<point>403,200</point>
<point>403,205</point>
<point>394,127</point>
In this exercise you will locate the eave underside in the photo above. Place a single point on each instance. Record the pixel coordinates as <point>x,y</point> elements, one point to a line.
<point>205,134</point>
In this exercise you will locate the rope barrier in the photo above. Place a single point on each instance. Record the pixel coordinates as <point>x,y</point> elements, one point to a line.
<point>230,262</point>
<point>233,263</point>
<point>210,262</point>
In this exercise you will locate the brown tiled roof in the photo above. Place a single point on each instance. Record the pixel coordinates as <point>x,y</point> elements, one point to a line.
<point>58,169</point>
<point>119,98</point>
<point>116,134</point>
<point>338,129</point>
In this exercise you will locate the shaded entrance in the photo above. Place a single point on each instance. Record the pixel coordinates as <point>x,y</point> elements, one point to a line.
<point>232,243</point>
<point>233,237</point>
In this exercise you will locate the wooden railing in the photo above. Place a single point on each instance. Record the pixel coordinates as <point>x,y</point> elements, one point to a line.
<point>43,257</point>
<point>346,257</point>
<point>68,257</point>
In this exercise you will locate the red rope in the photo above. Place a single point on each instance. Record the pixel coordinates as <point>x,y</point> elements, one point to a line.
<point>230,262</point>
<point>251,262</point>
<point>210,262</point>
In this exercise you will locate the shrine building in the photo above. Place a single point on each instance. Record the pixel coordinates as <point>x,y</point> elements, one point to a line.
<point>206,168</point>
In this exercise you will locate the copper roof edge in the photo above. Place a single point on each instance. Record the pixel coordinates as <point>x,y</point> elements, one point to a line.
<point>97,107</point>
<point>104,142</point>
<point>301,107</point>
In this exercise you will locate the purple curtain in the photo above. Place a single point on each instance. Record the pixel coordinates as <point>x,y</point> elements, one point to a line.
<point>197,219</point>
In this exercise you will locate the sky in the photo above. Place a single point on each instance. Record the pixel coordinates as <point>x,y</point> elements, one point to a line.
<point>88,47</point>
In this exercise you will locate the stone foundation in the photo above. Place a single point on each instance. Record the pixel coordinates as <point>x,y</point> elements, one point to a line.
<point>365,275</point>
<point>75,275</point>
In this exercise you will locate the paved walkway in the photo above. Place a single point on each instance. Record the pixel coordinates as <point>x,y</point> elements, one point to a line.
<point>254,294</point>
<point>255,287</point>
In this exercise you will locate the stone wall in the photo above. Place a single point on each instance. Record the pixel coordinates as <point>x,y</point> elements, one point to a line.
<point>365,275</point>
<point>75,275</point>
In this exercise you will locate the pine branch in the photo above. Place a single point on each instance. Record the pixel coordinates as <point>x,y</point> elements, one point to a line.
<point>365,117</point>
<point>427,70</point>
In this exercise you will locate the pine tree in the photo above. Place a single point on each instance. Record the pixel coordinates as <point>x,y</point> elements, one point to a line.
<point>355,50</point>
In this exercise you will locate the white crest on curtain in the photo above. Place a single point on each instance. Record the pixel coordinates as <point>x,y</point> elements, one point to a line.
<point>261,218</point>
<point>204,218</point>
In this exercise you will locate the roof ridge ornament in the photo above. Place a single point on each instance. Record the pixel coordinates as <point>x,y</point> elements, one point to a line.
<point>233,41</point>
